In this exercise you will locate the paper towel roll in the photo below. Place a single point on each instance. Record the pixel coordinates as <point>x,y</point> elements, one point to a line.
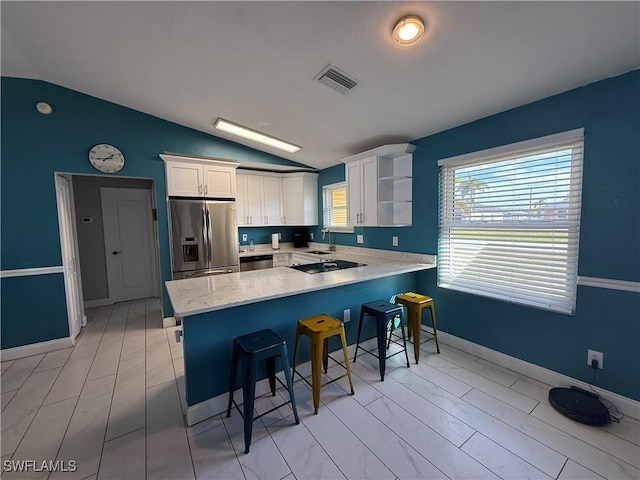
<point>275,242</point>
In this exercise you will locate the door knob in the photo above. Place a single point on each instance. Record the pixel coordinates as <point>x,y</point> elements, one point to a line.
<point>115,252</point>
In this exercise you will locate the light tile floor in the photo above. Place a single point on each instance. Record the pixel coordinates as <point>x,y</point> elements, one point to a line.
<point>113,407</point>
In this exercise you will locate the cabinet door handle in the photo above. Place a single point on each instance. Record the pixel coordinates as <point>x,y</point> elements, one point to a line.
<point>206,188</point>
<point>200,188</point>
<point>362,218</point>
<point>357,218</point>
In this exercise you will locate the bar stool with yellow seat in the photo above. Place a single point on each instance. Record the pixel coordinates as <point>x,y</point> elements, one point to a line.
<point>415,303</point>
<point>319,328</point>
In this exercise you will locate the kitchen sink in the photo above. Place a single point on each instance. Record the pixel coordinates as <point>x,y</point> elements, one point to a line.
<point>322,267</point>
<point>318,252</point>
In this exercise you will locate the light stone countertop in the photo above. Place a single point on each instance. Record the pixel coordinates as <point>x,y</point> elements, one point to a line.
<point>206,294</point>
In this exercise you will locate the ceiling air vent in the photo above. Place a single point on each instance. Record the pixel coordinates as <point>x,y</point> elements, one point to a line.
<point>337,79</point>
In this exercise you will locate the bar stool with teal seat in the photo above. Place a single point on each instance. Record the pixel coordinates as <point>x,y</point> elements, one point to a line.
<point>319,328</point>
<point>252,348</point>
<point>415,303</point>
<point>385,314</point>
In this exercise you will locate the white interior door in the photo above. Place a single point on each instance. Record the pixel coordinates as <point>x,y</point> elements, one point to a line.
<point>75,310</point>
<point>128,234</point>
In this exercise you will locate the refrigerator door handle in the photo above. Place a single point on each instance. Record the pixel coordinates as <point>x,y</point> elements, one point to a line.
<point>210,236</point>
<point>205,235</point>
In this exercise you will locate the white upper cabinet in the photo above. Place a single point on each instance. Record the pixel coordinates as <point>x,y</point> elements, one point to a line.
<point>379,186</point>
<point>200,177</point>
<point>249,203</point>
<point>300,198</point>
<point>271,198</point>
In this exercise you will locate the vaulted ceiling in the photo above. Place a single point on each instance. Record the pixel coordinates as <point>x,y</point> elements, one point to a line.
<point>255,63</point>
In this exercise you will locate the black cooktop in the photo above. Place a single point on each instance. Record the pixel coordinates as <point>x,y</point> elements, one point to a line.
<point>331,266</point>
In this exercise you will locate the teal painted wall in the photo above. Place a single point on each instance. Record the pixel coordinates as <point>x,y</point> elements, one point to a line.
<point>207,337</point>
<point>34,146</point>
<point>33,308</point>
<point>605,320</point>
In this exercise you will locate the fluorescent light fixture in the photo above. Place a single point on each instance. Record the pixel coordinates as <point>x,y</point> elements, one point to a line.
<point>249,134</point>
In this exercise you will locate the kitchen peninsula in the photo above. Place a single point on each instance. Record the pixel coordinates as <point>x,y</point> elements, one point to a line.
<point>215,309</point>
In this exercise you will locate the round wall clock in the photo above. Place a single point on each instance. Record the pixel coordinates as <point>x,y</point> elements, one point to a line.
<point>106,158</point>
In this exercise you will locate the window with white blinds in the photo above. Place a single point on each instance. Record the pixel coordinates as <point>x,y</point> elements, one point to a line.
<point>510,221</point>
<point>334,199</point>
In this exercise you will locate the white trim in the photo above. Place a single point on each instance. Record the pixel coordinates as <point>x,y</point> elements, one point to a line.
<point>27,272</point>
<point>395,148</point>
<point>100,302</point>
<point>625,405</point>
<point>169,322</point>
<point>218,404</point>
<point>510,148</point>
<point>609,283</point>
<point>35,348</point>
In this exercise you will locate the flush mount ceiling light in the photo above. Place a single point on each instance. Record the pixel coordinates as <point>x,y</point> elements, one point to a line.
<point>408,30</point>
<point>247,133</point>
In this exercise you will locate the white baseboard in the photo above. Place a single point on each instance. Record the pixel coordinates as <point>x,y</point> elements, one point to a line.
<point>625,405</point>
<point>100,302</point>
<point>169,322</point>
<point>217,405</point>
<point>35,348</point>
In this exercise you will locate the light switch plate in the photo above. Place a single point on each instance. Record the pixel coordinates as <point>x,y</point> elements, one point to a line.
<point>360,239</point>
<point>395,241</point>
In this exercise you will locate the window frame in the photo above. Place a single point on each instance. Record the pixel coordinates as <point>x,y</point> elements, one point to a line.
<point>326,191</point>
<point>456,243</point>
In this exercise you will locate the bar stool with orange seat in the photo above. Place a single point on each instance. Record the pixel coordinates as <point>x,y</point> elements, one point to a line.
<point>415,303</point>
<point>319,328</point>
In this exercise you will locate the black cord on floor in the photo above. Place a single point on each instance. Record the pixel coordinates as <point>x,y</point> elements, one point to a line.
<point>614,414</point>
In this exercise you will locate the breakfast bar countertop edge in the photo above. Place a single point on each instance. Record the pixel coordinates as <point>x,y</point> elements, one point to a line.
<point>207,294</point>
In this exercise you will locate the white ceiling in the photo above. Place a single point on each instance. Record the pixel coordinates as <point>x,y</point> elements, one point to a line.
<point>254,63</point>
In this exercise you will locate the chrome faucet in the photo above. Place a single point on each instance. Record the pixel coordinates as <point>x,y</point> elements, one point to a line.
<point>332,247</point>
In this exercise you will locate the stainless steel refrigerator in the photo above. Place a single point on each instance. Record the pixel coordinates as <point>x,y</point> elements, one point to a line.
<point>204,237</point>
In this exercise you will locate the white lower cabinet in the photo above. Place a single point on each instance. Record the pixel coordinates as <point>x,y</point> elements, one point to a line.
<point>281,259</point>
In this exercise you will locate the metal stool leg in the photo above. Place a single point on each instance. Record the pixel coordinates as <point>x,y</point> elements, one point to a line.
<point>343,339</point>
<point>359,332</point>
<point>284,358</point>
<point>381,324</point>
<point>271,372</point>
<point>316,371</point>
<point>232,383</point>
<point>432,309</point>
<point>248,393</point>
<point>404,340</point>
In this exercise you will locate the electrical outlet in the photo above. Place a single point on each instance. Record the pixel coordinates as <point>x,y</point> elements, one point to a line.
<point>346,315</point>
<point>311,236</point>
<point>594,355</point>
<point>360,239</point>
<point>395,241</point>
<point>244,237</point>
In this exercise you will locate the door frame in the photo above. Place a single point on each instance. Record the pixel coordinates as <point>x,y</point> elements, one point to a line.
<point>68,214</point>
<point>152,240</point>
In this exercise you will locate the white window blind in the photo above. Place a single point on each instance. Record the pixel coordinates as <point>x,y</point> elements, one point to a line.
<point>510,221</point>
<point>334,199</point>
